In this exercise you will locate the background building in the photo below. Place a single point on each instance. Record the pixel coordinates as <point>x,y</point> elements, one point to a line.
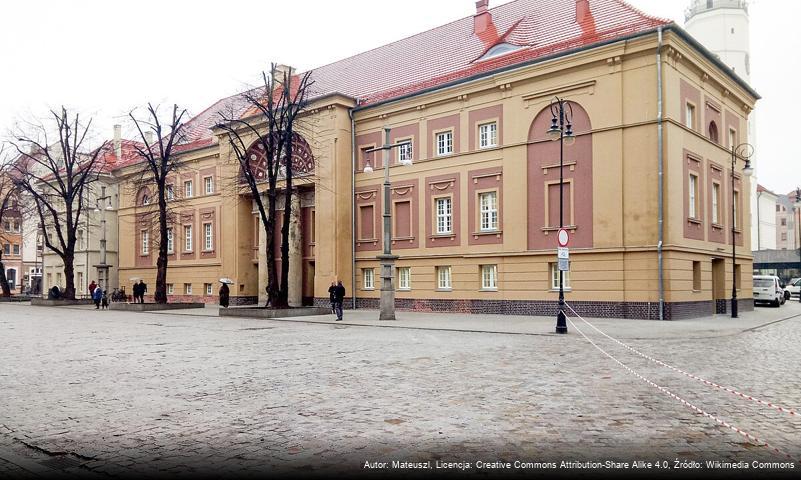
<point>764,219</point>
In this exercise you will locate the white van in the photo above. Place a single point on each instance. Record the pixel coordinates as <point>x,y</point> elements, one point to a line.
<point>767,289</point>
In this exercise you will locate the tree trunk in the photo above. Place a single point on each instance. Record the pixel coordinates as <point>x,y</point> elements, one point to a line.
<point>272,277</point>
<point>161,264</point>
<point>69,274</point>
<point>6,288</point>
<point>283,298</point>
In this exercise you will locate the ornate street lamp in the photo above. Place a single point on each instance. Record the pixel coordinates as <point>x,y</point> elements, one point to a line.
<point>743,151</point>
<point>387,305</point>
<point>103,266</point>
<point>561,130</point>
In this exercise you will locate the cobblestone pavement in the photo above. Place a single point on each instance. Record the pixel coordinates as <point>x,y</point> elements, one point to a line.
<point>140,394</point>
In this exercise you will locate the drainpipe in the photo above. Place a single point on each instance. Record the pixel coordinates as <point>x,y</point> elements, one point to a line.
<point>353,207</point>
<point>661,160</point>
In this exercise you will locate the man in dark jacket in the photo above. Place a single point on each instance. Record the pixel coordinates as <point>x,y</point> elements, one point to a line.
<point>142,290</point>
<point>339,297</point>
<point>224,293</point>
<point>332,296</point>
<point>135,290</point>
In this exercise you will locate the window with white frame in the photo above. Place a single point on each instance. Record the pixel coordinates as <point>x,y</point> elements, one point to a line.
<point>187,238</point>
<point>170,240</point>
<point>444,207</point>
<point>732,137</point>
<point>207,286</point>
<point>367,276</point>
<point>693,192</point>
<point>170,192</point>
<point>145,242</point>
<point>145,199</point>
<point>170,289</point>
<point>715,203</point>
<point>555,277</point>
<point>444,278</point>
<point>445,143</point>
<point>489,277</point>
<point>405,152</point>
<point>187,289</point>
<point>188,189</point>
<point>7,249</point>
<point>208,185</point>
<point>488,135</point>
<point>689,115</point>
<point>16,226</point>
<point>208,237</point>
<point>488,203</point>
<point>81,240</point>
<point>16,249</point>
<point>404,278</point>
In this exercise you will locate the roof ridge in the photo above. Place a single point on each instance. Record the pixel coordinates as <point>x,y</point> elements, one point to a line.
<point>643,14</point>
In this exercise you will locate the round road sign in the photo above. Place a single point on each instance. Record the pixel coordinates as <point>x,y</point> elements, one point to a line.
<point>562,237</point>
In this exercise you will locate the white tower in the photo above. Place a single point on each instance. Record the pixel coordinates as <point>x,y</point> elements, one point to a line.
<point>722,27</point>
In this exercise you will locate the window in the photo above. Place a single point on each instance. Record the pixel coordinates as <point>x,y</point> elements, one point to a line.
<point>732,138</point>
<point>784,236</point>
<point>489,277</point>
<point>713,132</point>
<point>736,204</point>
<point>488,202</point>
<point>778,208</point>
<point>444,215</point>
<point>187,238</point>
<point>170,289</point>
<point>187,289</point>
<point>170,192</point>
<point>444,278</point>
<point>145,199</point>
<point>693,212</point>
<point>689,116</point>
<point>367,274</point>
<point>207,287</point>
<point>405,152</point>
<point>404,278</point>
<point>715,203</point>
<point>16,249</point>
<point>16,226</point>
<point>697,276</point>
<point>170,241</point>
<point>555,277</point>
<point>81,243</point>
<point>444,143</point>
<point>7,226</point>
<point>145,242</point>
<point>488,135</point>
<point>7,249</point>
<point>208,185</point>
<point>80,281</point>
<point>784,222</point>
<point>208,243</point>
<point>58,279</point>
<point>188,188</point>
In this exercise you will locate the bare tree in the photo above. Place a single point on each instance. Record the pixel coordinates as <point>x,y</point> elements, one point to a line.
<point>271,125</point>
<point>9,211</point>
<point>160,162</point>
<point>57,177</point>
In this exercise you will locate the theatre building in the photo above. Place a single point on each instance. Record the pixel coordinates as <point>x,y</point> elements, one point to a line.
<point>476,213</point>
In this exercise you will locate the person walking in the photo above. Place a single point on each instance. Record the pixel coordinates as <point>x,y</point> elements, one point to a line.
<point>97,295</point>
<point>339,297</point>
<point>332,296</point>
<point>92,287</point>
<point>224,295</point>
<point>142,290</point>
<point>135,291</point>
<point>103,299</point>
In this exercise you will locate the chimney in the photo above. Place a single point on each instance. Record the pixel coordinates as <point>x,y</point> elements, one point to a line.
<point>582,10</point>
<point>482,19</point>
<point>118,141</point>
<point>280,70</point>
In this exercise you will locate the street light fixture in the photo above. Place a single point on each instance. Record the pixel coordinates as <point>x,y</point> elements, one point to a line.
<point>387,304</point>
<point>744,151</point>
<point>561,130</point>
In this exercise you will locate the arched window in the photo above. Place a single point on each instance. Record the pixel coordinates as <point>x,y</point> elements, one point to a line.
<point>11,276</point>
<point>713,132</point>
<point>143,197</point>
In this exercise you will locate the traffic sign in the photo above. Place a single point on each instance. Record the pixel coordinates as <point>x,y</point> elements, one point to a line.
<point>562,252</point>
<point>562,237</point>
<point>564,265</point>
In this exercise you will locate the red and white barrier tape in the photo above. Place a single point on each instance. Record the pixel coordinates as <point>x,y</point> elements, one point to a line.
<point>683,402</point>
<point>690,375</point>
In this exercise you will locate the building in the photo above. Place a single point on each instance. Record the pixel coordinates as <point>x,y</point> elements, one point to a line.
<point>11,239</point>
<point>787,215</point>
<point>764,219</point>
<point>476,214</point>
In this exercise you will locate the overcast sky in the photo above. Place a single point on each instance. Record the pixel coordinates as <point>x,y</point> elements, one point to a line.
<point>105,57</point>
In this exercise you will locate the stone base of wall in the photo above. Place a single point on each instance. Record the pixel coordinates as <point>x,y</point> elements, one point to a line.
<point>239,301</point>
<point>632,310</point>
<point>260,312</point>
<point>43,302</point>
<point>16,298</point>
<point>151,307</point>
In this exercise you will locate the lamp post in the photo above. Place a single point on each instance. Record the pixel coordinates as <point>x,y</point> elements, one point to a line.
<point>562,130</point>
<point>387,303</point>
<point>103,266</point>
<point>798,223</point>
<point>744,151</point>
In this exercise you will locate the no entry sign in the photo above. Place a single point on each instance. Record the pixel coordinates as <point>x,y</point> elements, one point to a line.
<point>562,237</point>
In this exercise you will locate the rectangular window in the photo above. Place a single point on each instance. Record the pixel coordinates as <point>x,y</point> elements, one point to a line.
<point>488,202</point>
<point>207,287</point>
<point>81,244</point>
<point>7,249</point>
<point>208,185</point>
<point>404,278</point>
<point>444,143</point>
<point>697,276</point>
<point>403,219</point>
<point>444,278</point>
<point>80,281</point>
<point>784,222</point>
<point>188,189</point>
<point>488,135</point>
<point>7,226</point>
<point>16,226</point>
<point>208,238</point>
<point>16,249</point>
<point>367,275</point>
<point>145,242</point>
<point>444,215</point>
<point>715,203</point>
<point>736,206</point>
<point>555,277</point>
<point>693,187</point>
<point>784,236</point>
<point>170,289</point>
<point>732,138</point>
<point>170,241</point>
<point>689,116</point>
<point>170,192</point>
<point>489,277</point>
<point>405,152</point>
<point>187,238</point>
<point>187,289</point>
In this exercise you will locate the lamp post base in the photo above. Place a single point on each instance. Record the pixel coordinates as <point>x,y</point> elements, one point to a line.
<point>387,304</point>
<point>734,313</point>
<point>561,322</point>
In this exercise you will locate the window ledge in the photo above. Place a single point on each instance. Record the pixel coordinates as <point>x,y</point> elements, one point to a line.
<point>566,289</point>
<point>556,229</point>
<point>488,289</point>
<point>404,289</point>
<point>718,226</point>
<point>366,240</point>
<point>488,147</point>
<point>402,238</point>
<point>444,290</point>
<point>694,220</point>
<point>443,235</point>
<point>697,291</point>
<point>487,232</point>
<point>369,289</point>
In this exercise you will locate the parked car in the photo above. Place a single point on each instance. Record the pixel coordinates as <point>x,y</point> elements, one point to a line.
<point>794,287</point>
<point>767,290</point>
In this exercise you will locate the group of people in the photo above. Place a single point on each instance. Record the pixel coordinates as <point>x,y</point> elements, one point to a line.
<point>336,293</point>
<point>99,296</point>
<point>139,290</point>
